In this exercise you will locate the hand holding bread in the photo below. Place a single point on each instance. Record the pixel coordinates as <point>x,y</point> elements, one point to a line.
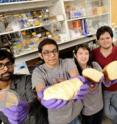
<point>65,90</point>
<point>92,75</point>
<point>52,103</point>
<point>108,75</point>
<point>69,89</point>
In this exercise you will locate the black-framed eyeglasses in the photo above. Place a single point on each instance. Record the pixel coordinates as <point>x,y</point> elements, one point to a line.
<point>8,65</point>
<point>7,49</point>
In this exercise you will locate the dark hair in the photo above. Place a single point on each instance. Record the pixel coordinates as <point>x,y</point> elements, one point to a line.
<point>84,46</point>
<point>45,42</point>
<point>102,30</point>
<point>5,54</point>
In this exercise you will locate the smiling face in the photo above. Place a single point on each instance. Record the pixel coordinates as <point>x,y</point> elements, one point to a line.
<point>105,40</point>
<point>50,55</point>
<point>82,56</point>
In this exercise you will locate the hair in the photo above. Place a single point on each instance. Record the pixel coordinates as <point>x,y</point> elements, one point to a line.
<point>102,30</point>
<point>83,46</point>
<point>4,54</point>
<point>46,41</point>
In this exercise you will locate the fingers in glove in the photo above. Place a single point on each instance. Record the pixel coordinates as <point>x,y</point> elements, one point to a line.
<point>113,82</point>
<point>13,122</point>
<point>54,105</point>
<point>82,92</point>
<point>48,102</point>
<point>22,117</point>
<point>61,104</point>
<point>84,87</point>
<point>107,84</point>
<point>40,94</point>
<point>13,108</point>
<point>83,79</point>
<point>10,114</point>
<point>79,98</point>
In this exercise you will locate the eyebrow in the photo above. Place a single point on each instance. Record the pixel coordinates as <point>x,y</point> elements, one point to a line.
<point>50,50</point>
<point>5,62</point>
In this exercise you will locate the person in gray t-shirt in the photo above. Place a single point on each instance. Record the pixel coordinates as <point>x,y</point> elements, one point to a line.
<point>55,70</point>
<point>93,103</point>
<point>28,110</point>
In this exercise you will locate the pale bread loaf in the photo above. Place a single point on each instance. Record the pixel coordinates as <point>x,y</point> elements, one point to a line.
<point>92,74</point>
<point>65,90</point>
<point>110,71</point>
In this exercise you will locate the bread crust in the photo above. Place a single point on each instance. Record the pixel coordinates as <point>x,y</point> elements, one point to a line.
<point>109,71</point>
<point>65,90</point>
<point>92,75</point>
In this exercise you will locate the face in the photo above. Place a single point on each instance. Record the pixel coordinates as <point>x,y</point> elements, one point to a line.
<point>50,55</point>
<point>105,40</point>
<point>82,56</point>
<point>6,70</point>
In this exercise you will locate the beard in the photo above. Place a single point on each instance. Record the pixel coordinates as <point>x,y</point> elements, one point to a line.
<point>6,76</point>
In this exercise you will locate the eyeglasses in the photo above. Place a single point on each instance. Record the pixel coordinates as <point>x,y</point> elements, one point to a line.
<point>8,65</point>
<point>47,53</point>
<point>7,49</point>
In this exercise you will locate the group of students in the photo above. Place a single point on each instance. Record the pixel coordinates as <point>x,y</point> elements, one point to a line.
<point>85,108</point>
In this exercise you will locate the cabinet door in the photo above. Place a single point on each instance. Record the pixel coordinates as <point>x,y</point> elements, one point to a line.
<point>26,28</point>
<point>75,16</point>
<point>98,14</point>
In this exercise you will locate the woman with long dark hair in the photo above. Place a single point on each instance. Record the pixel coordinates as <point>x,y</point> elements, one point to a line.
<point>93,103</point>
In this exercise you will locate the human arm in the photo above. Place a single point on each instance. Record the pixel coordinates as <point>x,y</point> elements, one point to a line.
<point>19,88</point>
<point>53,103</point>
<point>108,83</point>
<point>17,113</point>
<point>40,87</point>
<point>82,92</point>
<point>84,89</point>
<point>71,68</point>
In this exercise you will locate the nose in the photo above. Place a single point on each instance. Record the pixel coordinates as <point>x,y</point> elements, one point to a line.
<point>84,56</point>
<point>52,54</point>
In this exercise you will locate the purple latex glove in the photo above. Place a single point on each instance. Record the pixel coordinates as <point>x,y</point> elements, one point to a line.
<point>83,89</point>
<point>52,103</point>
<point>109,83</point>
<point>83,79</point>
<point>17,114</point>
<point>82,92</point>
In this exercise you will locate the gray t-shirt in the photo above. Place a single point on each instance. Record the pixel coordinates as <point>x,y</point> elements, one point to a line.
<point>21,84</point>
<point>93,102</point>
<point>49,76</point>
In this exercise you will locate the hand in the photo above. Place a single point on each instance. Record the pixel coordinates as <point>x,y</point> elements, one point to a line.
<point>113,82</point>
<point>109,83</point>
<point>17,114</point>
<point>52,103</point>
<point>83,79</point>
<point>82,92</point>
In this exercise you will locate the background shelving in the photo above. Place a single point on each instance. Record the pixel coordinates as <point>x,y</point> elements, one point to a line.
<point>24,24</point>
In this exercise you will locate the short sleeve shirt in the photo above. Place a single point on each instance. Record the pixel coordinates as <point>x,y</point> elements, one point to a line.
<point>43,74</point>
<point>93,102</point>
<point>49,76</point>
<point>21,84</point>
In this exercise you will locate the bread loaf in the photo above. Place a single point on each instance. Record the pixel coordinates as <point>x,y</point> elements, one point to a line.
<point>92,75</point>
<point>65,90</point>
<point>110,71</point>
